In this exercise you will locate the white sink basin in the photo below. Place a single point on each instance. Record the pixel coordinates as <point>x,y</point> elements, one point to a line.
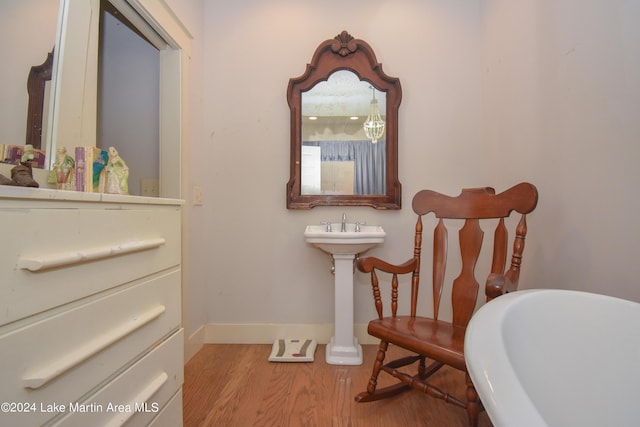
<point>348,242</point>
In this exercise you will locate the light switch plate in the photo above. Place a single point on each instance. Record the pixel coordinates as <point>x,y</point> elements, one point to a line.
<point>149,187</point>
<point>197,195</point>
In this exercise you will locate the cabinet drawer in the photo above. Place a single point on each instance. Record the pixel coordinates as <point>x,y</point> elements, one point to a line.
<point>55,256</point>
<point>137,395</point>
<point>61,358</point>
<point>171,415</point>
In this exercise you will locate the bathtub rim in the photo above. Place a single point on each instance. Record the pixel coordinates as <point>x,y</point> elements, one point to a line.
<point>488,361</point>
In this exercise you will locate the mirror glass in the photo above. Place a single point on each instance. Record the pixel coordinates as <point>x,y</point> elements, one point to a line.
<point>338,158</point>
<point>34,24</point>
<point>128,99</point>
<point>344,129</point>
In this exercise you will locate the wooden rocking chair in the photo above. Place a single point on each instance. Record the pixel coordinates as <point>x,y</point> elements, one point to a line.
<point>440,341</point>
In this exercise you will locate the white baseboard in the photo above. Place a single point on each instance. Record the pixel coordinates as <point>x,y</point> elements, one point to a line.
<point>266,333</point>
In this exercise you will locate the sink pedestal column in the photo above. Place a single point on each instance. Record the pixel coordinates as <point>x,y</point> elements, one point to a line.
<point>344,348</point>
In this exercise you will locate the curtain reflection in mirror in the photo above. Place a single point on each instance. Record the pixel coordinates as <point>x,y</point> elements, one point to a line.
<point>369,166</point>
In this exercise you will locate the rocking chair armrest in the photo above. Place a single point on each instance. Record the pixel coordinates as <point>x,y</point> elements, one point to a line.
<point>368,264</point>
<point>498,284</point>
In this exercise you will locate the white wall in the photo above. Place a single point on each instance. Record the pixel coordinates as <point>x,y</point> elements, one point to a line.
<point>494,92</point>
<point>194,284</point>
<point>561,84</point>
<point>254,264</point>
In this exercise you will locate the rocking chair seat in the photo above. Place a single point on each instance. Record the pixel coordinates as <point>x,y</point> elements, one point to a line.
<point>422,335</point>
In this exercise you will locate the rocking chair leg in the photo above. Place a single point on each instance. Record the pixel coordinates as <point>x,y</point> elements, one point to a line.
<point>377,366</point>
<point>474,406</point>
<point>422,367</point>
<point>371,394</point>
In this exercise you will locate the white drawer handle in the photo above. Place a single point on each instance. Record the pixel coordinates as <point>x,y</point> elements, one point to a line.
<point>68,258</point>
<point>142,397</point>
<point>69,360</point>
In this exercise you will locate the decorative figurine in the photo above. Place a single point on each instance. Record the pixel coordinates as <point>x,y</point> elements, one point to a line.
<point>61,174</point>
<point>28,154</point>
<point>117,174</point>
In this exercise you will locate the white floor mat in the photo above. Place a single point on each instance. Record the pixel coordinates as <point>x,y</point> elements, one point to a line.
<point>293,350</point>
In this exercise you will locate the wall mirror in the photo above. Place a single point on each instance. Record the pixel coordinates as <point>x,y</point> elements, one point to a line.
<point>30,31</point>
<point>76,87</point>
<point>344,129</point>
<point>79,84</point>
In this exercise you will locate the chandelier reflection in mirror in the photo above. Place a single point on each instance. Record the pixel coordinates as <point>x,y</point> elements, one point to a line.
<point>374,125</point>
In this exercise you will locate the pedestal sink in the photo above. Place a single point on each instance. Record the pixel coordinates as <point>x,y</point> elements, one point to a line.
<point>344,246</point>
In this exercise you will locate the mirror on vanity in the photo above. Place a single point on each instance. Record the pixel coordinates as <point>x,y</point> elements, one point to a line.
<point>32,28</point>
<point>78,110</point>
<point>344,129</point>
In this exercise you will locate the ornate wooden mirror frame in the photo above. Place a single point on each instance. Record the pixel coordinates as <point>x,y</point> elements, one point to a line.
<point>39,75</point>
<point>345,53</point>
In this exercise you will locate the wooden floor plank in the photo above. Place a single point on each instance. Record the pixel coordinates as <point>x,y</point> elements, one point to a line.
<point>236,386</point>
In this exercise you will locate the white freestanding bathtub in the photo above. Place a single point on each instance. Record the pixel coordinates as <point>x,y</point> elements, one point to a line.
<point>556,358</point>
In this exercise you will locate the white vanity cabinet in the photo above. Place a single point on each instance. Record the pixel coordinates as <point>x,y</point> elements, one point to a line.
<point>90,309</point>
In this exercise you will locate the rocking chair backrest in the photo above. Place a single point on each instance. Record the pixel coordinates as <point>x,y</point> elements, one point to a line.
<point>472,205</point>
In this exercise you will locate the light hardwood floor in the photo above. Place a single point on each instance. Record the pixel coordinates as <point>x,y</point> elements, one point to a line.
<point>236,386</point>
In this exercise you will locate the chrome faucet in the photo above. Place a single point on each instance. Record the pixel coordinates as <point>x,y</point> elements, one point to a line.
<point>344,222</point>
